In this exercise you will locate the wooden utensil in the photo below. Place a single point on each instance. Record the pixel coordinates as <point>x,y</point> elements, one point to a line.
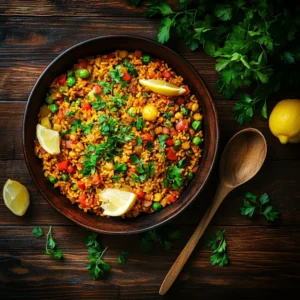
<point>242,158</point>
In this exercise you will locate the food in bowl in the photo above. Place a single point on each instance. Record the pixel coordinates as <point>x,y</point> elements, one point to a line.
<point>120,134</point>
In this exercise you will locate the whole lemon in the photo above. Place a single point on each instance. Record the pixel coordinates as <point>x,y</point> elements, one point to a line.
<point>284,121</point>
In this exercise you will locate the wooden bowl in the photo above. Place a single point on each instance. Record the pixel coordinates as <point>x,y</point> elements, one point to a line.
<point>102,45</point>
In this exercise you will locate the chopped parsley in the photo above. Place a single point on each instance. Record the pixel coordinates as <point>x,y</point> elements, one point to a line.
<point>149,146</point>
<point>139,141</point>
<point>106,87</point>
<point>162,139</point>
<point>116,75</point>
<point>37,232</point>
<point>120,168</point>
<point>134,159</point>
<point>168,115</point>
<point>71,114</point>
<point>140,123</point>
<point>116,178</point>
<point>99,103</point>
<point>122,258</point>
<point>131,70</point>
<point>173,178</point>
<point>77,124</point>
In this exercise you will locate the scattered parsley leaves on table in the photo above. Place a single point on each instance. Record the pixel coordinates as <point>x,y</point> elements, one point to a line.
<point>251,204</point>
<point>51,246</point>
<point>122,258</point>
<point>97,267</point>
<point>37,232</point>
<point>218,245</point>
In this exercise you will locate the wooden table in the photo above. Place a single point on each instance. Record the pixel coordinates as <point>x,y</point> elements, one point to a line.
<point>265,258</point>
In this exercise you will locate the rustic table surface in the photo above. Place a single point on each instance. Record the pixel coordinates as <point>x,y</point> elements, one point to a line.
<point>265,258</point>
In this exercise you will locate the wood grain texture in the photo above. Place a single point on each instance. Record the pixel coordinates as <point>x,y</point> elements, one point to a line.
<point>264,257</point>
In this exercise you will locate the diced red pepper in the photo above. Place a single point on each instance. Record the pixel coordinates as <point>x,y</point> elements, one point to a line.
<point>187,90</point>
<point>61,114</point>
<point>171,154</point>
<point>131,171</point>
<point>167,74</point>
<point>63,165</point>
<point>171,198</point>
<point>62,79</point>
<point>182,125</point>
<point>138,53</point>
<point>81,185</point>
<point>173,131</point>
<point>152,75</point>
<point>133,88</point>
<point>82,201</point>
<point>110,55</point>
<point>83,64</point>
<point>126,77</point>
<point>96,179</point>
<point>86,106</point>
<point>140,194</point>
<point>147,137</point>
<point>71,169</point>
<point>174,193</point>
<point>68,144</point>
<point>97,89</point>
<point>180,100</point>
<point>169,142</point>
<point>43,151</point>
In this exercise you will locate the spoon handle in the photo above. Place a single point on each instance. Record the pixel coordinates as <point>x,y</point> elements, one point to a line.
<point>221,193</point>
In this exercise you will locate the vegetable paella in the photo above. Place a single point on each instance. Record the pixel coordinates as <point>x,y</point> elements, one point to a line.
<point>120,134</point>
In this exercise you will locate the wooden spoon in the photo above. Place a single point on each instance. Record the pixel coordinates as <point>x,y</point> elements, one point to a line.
<point>242,158</point>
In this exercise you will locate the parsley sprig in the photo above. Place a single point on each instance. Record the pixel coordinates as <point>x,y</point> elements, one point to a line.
<point>251,204</point>
<point>122,258</point>
<point>97,267</point>
<point>218,245</point>
<point>51,246</point>
<point>37,232</point>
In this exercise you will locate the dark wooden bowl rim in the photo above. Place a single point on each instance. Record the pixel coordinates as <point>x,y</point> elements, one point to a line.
<point>143,222</point>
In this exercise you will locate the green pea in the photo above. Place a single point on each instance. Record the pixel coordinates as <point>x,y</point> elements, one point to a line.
<point>132,111</point>
<point>54,108</point>
<point>168,124</point>
<point>70,73</point>
<point>64,177</point>
<point>49,100</point>
<point>197,140</point>
<point>156,206</point>
<point>190,175</point>
<point>78,101</point>
<point>177,143</point>
<point>196,125</point>
<point>74,187</point>
<point>52,180</point>
<point>71,81</point>
<point>73,103</point>
<point>82,73</point>
<point>63,89</point>
<point>146,59</point>
<point>184,111</point>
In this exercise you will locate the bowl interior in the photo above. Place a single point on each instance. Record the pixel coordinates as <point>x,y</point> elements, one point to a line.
<point>103,45</point>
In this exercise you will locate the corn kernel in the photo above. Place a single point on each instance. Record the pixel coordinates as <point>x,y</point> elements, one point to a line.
<point>72,154</point>
<point>178,115</point>
<point>157,197</point>
<point>185,145</point>
<point>197,117</point>
<point>123,53</point>
<point>163,202</point>
<point>195,107</point>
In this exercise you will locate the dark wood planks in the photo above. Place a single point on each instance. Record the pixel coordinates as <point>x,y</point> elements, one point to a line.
<point>22,261</point>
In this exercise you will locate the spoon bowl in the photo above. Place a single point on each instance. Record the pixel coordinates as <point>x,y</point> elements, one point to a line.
<point>243,157</point>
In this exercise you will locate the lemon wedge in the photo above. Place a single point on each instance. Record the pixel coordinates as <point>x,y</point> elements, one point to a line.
<point>162,87</point>
<point>116,202</point>
<point>48,139</point>
<point>16,197</point>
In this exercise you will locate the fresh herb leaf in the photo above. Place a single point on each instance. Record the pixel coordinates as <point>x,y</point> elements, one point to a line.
<point>251,204</point>
<point>162,139</point>
<point>116,178</point>
<point>51,246</point>
<point>149,146</point>
<point>244,109</point>
<point>218,245</point>
<point>97,267</point>
<point>116,75</point>
<point>140,123</point>
<point>120,168</point>
<point>131,70</point>
<point>168,115</point>
<point>99,103</point>
<point>37,232</point>
<point>71,114</point>
<point>139,141</point>
<point>106,87</point>
<point>134,159</point>
<point>122,258</point>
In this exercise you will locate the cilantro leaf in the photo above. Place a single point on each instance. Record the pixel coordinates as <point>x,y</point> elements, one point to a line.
<point>122,258</point>
<point>116,75</point>
<point>218,245</point>
<point>134,159</point>
<point>158,7</point>
<point>37,232</point>
<point>99,103</point>
<point>140,123</point>
<point>164,30</point>
<point>244,109</point>
<point>120,168</point>
<point>51,246</point>
<point>223,12</point>
<point>106,87</point>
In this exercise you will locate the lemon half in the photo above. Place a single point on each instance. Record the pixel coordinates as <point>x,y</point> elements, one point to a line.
<point>116,202</point>
<point>162,87</point>
<point>16,197</point>
<point>48,139</point>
